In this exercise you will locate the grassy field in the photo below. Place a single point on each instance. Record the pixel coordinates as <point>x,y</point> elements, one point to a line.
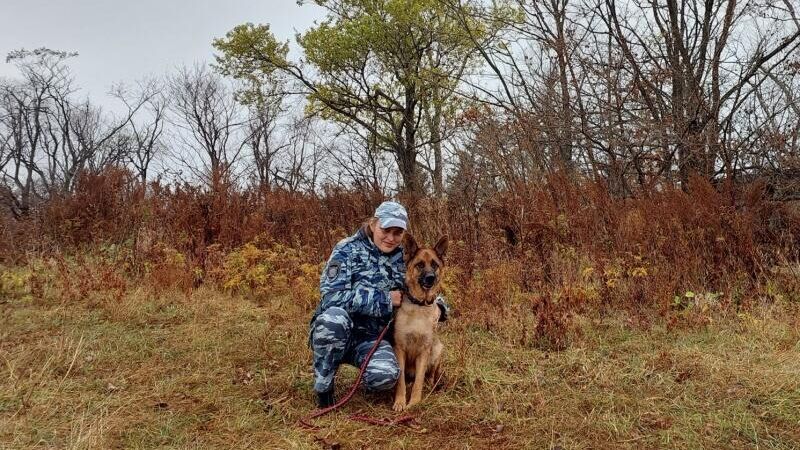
<point>162,369</point>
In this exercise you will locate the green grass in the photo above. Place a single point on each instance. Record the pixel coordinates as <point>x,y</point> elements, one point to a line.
<point>207,370</point>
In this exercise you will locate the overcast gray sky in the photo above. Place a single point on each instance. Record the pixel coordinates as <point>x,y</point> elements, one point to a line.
<point>123,41</point>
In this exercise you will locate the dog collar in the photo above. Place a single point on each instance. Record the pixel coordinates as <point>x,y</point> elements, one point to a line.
<point>413,299</point>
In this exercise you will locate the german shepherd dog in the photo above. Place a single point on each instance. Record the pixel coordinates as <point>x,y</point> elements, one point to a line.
<point>418,349</point>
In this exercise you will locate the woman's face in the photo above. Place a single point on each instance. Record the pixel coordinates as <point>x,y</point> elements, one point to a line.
<point>386,239</point>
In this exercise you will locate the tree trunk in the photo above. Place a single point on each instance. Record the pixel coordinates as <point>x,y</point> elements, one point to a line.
<point>406,146</point>
<point>565,127</point>
<point>435,124</point>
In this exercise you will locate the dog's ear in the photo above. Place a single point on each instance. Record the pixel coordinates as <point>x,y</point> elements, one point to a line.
<point>441,247</point>
<point>410,246</point>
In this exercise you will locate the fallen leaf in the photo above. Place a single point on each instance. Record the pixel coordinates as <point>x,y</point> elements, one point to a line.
<point>655,421</point>
<point>328,444</point>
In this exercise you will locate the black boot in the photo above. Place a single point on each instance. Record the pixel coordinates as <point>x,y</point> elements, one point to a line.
<point>325,399</point>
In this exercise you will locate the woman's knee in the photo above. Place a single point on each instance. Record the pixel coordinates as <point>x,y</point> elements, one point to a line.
<point>332,326</point>
<point>382,372</point>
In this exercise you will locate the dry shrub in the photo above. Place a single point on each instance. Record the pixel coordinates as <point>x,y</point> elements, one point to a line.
<point>113,207</point>
<point>14,282</point>
<point>15,239</point>
<point>490,294</point>
<point>264,273</point>
<point>94,279</point>
<point>164,267</point>
<point>578,243</point>
<point>193,219</point>
<point>565,238</point>
<point>103,208</point>
<point>694,310</point>
<point>646,247</point>
<point>552,323</point>
<point>428,219</point>
<point>783,284</point>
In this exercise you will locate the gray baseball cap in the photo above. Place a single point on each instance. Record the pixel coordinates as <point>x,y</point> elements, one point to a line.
<point>392,214</point>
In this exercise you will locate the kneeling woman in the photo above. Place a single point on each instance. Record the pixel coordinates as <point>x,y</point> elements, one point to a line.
<point>360,286</point>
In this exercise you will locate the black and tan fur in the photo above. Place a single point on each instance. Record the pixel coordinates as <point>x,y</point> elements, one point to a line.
<point>418,349</point>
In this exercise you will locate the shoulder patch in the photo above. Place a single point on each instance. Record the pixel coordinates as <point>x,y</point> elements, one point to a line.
<point>334,269</point>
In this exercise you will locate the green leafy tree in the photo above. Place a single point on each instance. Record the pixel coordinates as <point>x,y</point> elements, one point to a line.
<point>378,67</point>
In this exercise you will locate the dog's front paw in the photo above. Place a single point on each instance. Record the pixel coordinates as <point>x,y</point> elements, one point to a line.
<point>399,405</point>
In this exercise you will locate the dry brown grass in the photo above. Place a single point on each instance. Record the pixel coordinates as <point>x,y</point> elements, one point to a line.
<point>167,368</point>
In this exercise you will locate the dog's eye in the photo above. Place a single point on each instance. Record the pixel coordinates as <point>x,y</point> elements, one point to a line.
<point>434,266</point>
<point>420,265</point>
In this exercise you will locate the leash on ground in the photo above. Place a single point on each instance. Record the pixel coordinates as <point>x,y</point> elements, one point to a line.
<point>306,421</point>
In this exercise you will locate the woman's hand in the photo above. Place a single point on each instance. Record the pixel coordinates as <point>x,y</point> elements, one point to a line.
<point>397,298</point>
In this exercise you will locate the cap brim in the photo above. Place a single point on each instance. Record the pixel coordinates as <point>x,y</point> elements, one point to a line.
<point>389,223</point>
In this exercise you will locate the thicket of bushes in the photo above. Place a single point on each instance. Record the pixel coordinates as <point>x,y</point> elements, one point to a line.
<point>546,251</point>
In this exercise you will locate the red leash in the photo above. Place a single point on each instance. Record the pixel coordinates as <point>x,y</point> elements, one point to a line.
<point>305,421</point>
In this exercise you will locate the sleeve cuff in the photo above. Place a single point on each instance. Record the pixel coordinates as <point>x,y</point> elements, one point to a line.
<point>390,306</point>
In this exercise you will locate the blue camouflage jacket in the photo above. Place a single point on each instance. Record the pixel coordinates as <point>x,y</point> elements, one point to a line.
<point>358,278</point>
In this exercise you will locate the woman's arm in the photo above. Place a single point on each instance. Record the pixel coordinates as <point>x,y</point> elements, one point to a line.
<point>337,288</point>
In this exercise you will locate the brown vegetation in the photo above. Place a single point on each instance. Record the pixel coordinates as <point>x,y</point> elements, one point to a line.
<point>557,247</point>
<point>578,319</point>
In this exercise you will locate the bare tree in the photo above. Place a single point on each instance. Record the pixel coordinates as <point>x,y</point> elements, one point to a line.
<point>209,121</point>
<point>26,109</point>
<point>358,160</point>
<point>144,133</point>
<point>48,136</point>
<point>716,53</point>
<point>635,92</point>
<point>265,137</point>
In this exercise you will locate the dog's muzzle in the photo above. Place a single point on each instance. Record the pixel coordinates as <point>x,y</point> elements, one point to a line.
<point>427,280</point>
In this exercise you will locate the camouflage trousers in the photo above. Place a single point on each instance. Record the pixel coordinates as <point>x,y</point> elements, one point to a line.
<point>334,343</point>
